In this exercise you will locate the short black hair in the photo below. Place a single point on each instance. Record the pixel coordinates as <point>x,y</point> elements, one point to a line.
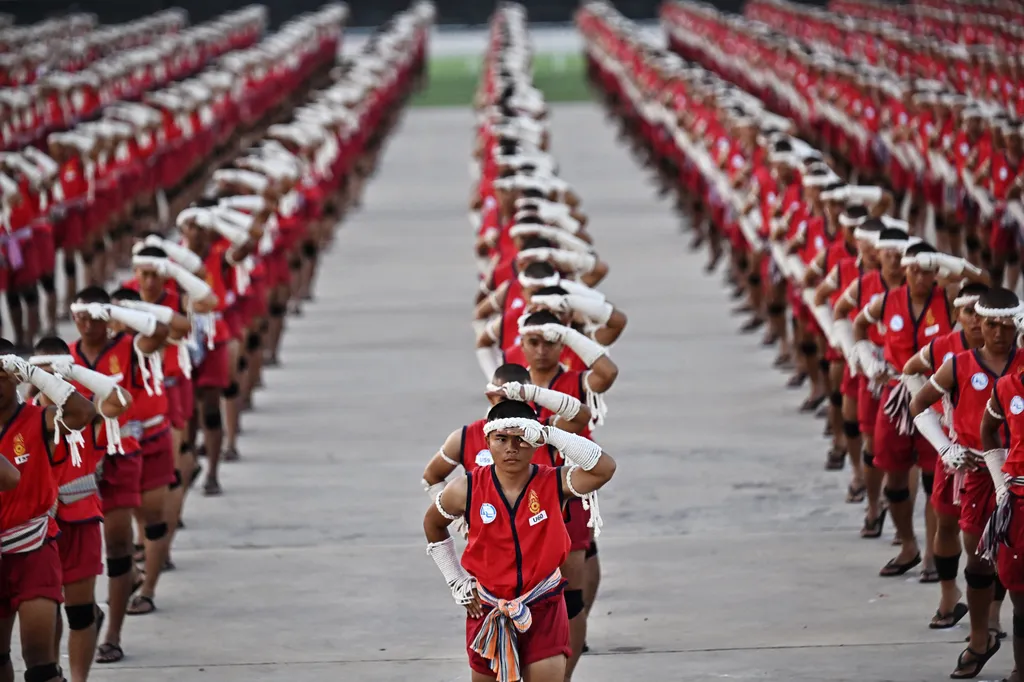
<point>533,193</point>
<point>154,251</point>
<point>205,202</point>
<point>972,289</point>
<point>6,347</point>
<point>511,372</point>
<point>52,345</point>
<point>920,247</point>
<point>511,409</point>
<point>539,270</point>
<point>540,317</point>
<point>532,219</point>
<point>126,294</point>
<point>537,243</point>
<point>998,297</point>
<point>857,211</point>
<point>93,294</point>
<point>551,291</point>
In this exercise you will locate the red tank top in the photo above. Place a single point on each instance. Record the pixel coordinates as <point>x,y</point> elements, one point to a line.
<point>971,391</point>
<point>26,512</point>
<point>172,299</point>
<point>515,306</point>
<point>474,451</point>
<point>217,277</point>
<point>946,347</point>
<point>514,544</point>
<point>89,508</point>
<point>1010,396</point>
<point>872,286</point>
<point>116,360</point>
<point>848,270</point>
<point>906,334</point>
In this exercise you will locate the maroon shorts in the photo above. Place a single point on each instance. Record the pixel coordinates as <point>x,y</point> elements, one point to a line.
<point>850,386</point>
<point>157,462</point>
<point>867,407</point>
<point>897,453</point>
<point>943,492</point>
<point>179,402</point>
<point>81,550</point>
<point>1010,562</point>
<point>30,575</point>
<point>44,245</point>
<point>576,519</point>
<point>26,276</point>
<point>977,501</point>
<point>548,635</point>
<point>121,481</point>
<point>213,371</point>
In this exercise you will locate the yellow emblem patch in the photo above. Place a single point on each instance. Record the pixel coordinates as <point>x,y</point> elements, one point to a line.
<point>19,445</point>
<point>115,365</point>
<point>929,319</point>
<point>534,502</point>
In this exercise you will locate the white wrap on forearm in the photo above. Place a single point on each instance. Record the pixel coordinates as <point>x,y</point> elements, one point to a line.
<point>580,451</point>
<point>578,289</point>
<point>433,490</point>
<point>598,311</point>
<point>162,313</point>
<point>994,460</point>
<point>571,260</point>
<point>101,385</point>
<point>562,404</point>
<point>842,332</point>
<point>489,360</point>
<point>588,350</point>
<point>52,386</point>
<point>461,583</point>
<point>928,425</point>
<point>195,287</point>
<point>181,255</point>
<point>142,322</point>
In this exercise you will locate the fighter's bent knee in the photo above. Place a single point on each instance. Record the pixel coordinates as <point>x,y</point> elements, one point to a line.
<point>212,421</point>
<point>42,673</point>
<point>80,616</point>
<point>573,603</point>
<point>928,482</point>
<point>118,566</point>
<point>851,429</point>
<point>869,459</point>
<point>947,566</point>
<point>898,495</point>
<point>978,581</point>
<point>231,391</point>
<point>156,531</point>
<point>176,483</point>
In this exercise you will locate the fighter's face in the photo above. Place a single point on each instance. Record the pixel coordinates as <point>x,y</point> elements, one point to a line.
<point>970,322</point>
<point>8,390</point>
<point>999,334</point>
<point>890,259</point>
<point>195,237</point>
<point>151,284</point>
<point>540,353</point>
<point>511,453</point>
<point>920,281</point>
<point>93,332</point>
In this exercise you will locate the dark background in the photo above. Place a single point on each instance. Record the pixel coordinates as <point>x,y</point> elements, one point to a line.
<point>364,12</point>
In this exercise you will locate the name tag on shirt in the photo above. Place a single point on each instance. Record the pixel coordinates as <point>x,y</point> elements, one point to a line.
<point>534,520</point>
<point>932,330</point>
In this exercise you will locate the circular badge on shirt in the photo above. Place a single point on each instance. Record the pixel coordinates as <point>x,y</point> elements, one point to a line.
<point>1017,404</point>
<point>947,356</point>
<point>1002,174</point>
<point>896,323</point>
<point>518,303</point>
<point>979,381</point>
<point>484,459</point>
<point>819,242</point>
<point>488,513</point>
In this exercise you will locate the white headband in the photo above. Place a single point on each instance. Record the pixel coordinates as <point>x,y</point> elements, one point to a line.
<point>917,260</point>
<point>201,216</point>
<point>511,423</point>
<point>870,236</point>
<point>966,300</point>
<point>847,221</point>
<point>550,281</point>
<point>999,312</point>
<point>148,262</point>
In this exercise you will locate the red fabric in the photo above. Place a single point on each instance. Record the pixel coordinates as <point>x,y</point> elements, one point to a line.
<point>157,462</point>
<point>26,446</point>
<point>30,575</point>
<point>548,635</point>
<point>899,453</point>
<point>120,486</point>
<point>80,546</point>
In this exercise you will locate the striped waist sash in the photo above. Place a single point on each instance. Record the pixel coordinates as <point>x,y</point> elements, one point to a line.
<point>497,639</point>
<point>78,489</point>
<point>25,537</point>
<point>997,530</point>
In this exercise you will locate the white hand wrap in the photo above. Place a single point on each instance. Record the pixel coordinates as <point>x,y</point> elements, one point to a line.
<point>195,288</point>
<point>842,332</point>
<point>54,388</point>
<point>183,256</point>
<point>162,313</point>
<point>142,322</point>
<point>101,385</point>
<point>951,264</point>
<point>994,460</point>
<point>461,583</point>
<point>588,350</point>
<point>433,490</point>
<point>489,360</point>
<point>580,289</point>
<point>577,449</point>
<point>928,425</point>
<point>570,260</point>
<point>598,311</point>
<point>562,404</point>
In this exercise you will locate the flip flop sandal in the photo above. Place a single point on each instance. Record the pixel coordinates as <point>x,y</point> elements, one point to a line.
<point>929,575</point>
<point>140,605</point>
<point>855,495</point>
<point>811,404</point>
<point>977,665</point>
<point>894,570</point>
<point>796,381</point>
<point>944,621</point>
<point>873,529</point>
<point>835,459</point>
<point>769,340</point>
<point>752,325</point>
<point>109,653</point>
<point>998,633</point>
<point>781,361</point>
<point>822,413</point>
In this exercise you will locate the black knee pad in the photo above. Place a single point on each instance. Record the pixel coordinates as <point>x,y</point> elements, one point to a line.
<point>869,459</point>
<point>754,279</point>
<point>591,550</point>
<point>212,421</point>
<point>999,590</point>
<point>972,242</point>
<point>776,309</point>
<point>253,342</point>
<point>156,531</point>
<point>70,265</point>
<point>176,483</point>
<point>825,365</point>
<point>80,616</point>
<point>42,673</point>
<point>809,348</point>
<point>278,310</point>
<point>851,429</point>
<point>30,296</point>
<point>978,581</point>
<point>901,495</point>
<point>231,391</point>
<point>836,398</point>
<point>928,482</point>
<point>309,250</point>
<point>1018,628</point>
<point>1013,257</point>
<point>573,603</point>
<point>947,567</point>
<point>295,264</point>
<point>47,283</point>
<point>118,566</point>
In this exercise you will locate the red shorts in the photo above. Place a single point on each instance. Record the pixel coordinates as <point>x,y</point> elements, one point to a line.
<point>179,402</point>
<point>850,386</point>
<point>867,407</point>
<point>121,481</point>
<point>30,575</point>
<point>81,550</point>
<point>1002,240</point>
<point>70,231</point>
<point>26,276</point>
<point>157,462</point>
<point>548,635</point>
<point>977,501</point>
<point>1010,562</point>
<point>233,319</point>
<point>943,492</point>
<point>576,520</point>
<point>896,453</point>
<point>45,248</point>
<point>213,371</point>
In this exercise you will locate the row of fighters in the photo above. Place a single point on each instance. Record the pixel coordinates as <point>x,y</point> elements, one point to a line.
<point>938,127</point>
<point>529,574</point>
<point>95,183</point>
<point>915,348</point>
<point>960,20</point>
<point>109,433</point>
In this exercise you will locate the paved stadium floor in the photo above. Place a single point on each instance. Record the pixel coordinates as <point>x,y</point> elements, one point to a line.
<point>727,552</point>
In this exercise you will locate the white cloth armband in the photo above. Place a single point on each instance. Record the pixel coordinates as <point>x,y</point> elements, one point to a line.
<point>936,386</point>
<point>183,256</point>
<point>928,425</point>
<point>461,583</point>
<point>588,350</point>
<point>433,490</point>
<point>163,314</point>
<point>562,404</point>
<point>598,311</point>
<point>577,449</point>
<point>994,460</point>
<point>142,322</point>
<point>193,286</point>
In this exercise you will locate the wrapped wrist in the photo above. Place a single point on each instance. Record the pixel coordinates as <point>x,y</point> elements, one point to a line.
<point>587,349</point>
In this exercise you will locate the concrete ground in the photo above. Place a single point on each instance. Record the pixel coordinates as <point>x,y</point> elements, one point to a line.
<point>728,552</point>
